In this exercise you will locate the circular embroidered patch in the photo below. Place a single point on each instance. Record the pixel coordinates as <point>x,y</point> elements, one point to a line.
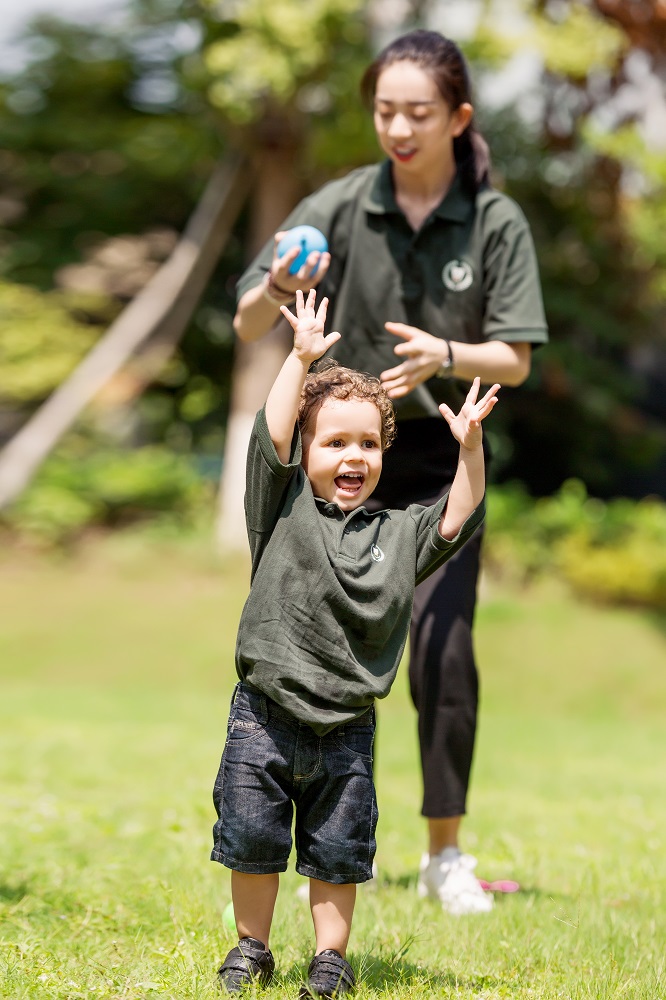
<point>376,553</point>
<point>457,275</point>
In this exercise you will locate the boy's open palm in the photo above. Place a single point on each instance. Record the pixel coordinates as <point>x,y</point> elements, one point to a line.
<point>466,425</point>
<point>310,342</point>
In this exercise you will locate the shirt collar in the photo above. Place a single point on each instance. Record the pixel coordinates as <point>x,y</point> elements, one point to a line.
<point>326,506</point>
<point>455,206</point>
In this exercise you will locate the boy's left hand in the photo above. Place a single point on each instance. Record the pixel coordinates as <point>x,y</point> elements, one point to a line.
<point>308,326</point>
<point>466,425</point>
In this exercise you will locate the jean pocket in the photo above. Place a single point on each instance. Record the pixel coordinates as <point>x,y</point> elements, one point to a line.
<point>248,715</point>
<point>243,728</point>
<point>357,741</point>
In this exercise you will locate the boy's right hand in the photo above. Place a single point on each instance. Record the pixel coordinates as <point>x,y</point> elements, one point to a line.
<point>310,342</point>
<point>304,278</point>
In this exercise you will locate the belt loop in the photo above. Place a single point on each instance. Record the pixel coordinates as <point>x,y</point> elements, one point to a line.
<point>256,700</point>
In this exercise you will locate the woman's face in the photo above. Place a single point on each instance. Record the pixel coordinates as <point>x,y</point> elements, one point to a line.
<point>414,124</point>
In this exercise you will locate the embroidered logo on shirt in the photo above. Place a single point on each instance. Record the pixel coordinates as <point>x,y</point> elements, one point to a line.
<point>457,275</point>
<point>376,553</point>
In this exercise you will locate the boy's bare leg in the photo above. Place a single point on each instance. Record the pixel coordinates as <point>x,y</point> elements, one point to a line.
<point>332,909</point>
<point>442,833</point>
<point>254,901</point>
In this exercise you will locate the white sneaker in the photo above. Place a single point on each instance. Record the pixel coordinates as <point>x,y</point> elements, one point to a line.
<point>449,877</point>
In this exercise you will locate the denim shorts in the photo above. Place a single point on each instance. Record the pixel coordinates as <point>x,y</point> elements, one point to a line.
<point>271,763</point>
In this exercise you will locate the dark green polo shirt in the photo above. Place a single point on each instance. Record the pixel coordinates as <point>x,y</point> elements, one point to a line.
<point>469,274</point>
<point>325,625</point>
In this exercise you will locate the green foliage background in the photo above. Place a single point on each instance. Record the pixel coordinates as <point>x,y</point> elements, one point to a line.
<point>114,130</point>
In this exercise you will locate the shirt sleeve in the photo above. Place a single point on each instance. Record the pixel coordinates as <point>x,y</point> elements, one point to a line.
<point>513,303</point>
<point>432,551</point>
<point>267,482</point>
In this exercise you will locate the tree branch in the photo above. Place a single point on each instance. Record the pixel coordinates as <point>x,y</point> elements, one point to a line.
<point>161,310</point>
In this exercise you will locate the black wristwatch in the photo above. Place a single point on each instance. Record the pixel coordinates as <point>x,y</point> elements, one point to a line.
<point>445,370</point>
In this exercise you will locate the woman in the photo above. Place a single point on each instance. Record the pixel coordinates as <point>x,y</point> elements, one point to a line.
<point>432,280</point>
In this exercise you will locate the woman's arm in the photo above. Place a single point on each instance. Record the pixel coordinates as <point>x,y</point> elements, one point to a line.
<point>469,484</point>
<point>255,314</point>
<point>309,345</point>
<point>423,354</point>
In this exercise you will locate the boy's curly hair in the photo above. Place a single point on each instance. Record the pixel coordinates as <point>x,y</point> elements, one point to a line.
<point>330,380</point>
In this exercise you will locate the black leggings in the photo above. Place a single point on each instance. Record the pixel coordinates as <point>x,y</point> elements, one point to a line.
<point>443,677</point>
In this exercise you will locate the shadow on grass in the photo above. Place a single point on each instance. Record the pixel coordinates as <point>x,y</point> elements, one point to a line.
<point>13,893</point>
<point>399,882</point>
<point>377,974</point>
<point>381,975</point>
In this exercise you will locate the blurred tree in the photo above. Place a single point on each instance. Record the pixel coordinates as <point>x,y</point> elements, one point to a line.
<point>256,86</point>
<point>103,134</point>
<point>111,133</point>
<point>100,143</point>
<point>159,314</point>
<point>553,151</point>
<point>284,74</point>
<point>92,146</point>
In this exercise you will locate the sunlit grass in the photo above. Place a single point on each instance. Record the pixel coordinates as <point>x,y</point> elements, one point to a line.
<point>116,672</point>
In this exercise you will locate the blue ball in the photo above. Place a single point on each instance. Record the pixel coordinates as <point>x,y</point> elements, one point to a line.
<point>308,239</point>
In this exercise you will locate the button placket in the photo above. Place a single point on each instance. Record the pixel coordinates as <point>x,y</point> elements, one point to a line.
<point>348,547</point>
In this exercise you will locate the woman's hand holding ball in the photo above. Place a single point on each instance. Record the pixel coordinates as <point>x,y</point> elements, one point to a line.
<point>300,259</point>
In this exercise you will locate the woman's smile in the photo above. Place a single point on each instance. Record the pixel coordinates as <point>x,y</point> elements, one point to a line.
<point>402,154</point>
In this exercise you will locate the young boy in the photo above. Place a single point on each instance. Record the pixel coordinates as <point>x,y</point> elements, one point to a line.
<point>321,637</point>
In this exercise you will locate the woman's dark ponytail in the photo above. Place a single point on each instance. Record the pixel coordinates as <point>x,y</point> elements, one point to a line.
<point>473,158</point>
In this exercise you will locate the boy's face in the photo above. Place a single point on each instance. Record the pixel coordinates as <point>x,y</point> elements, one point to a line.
<point>342,451</point>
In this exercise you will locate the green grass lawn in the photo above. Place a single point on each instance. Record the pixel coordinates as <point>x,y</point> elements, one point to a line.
<point>116,671</point>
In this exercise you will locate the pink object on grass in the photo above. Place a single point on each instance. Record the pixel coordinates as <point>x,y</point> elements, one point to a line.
<point>501,885</point>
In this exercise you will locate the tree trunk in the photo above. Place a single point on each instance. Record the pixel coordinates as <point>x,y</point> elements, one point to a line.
<point>277,189</point>
<point>161,311</point>
<point>643,21</point>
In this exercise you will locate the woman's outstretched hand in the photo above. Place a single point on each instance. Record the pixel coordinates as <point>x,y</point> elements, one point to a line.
<point>310,342</point>
<point>466,425</point>
<point>422,353</point>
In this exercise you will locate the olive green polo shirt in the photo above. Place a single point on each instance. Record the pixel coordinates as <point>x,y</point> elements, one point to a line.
<point>468,274</point>
<point>325,624</point>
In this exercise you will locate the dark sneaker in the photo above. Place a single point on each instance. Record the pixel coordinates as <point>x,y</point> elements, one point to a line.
<point>329,976</point>
<point>249,962</point>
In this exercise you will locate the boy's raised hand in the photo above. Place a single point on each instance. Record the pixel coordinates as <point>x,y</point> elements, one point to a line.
<point>466,425</point>
<point>310,342</point>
